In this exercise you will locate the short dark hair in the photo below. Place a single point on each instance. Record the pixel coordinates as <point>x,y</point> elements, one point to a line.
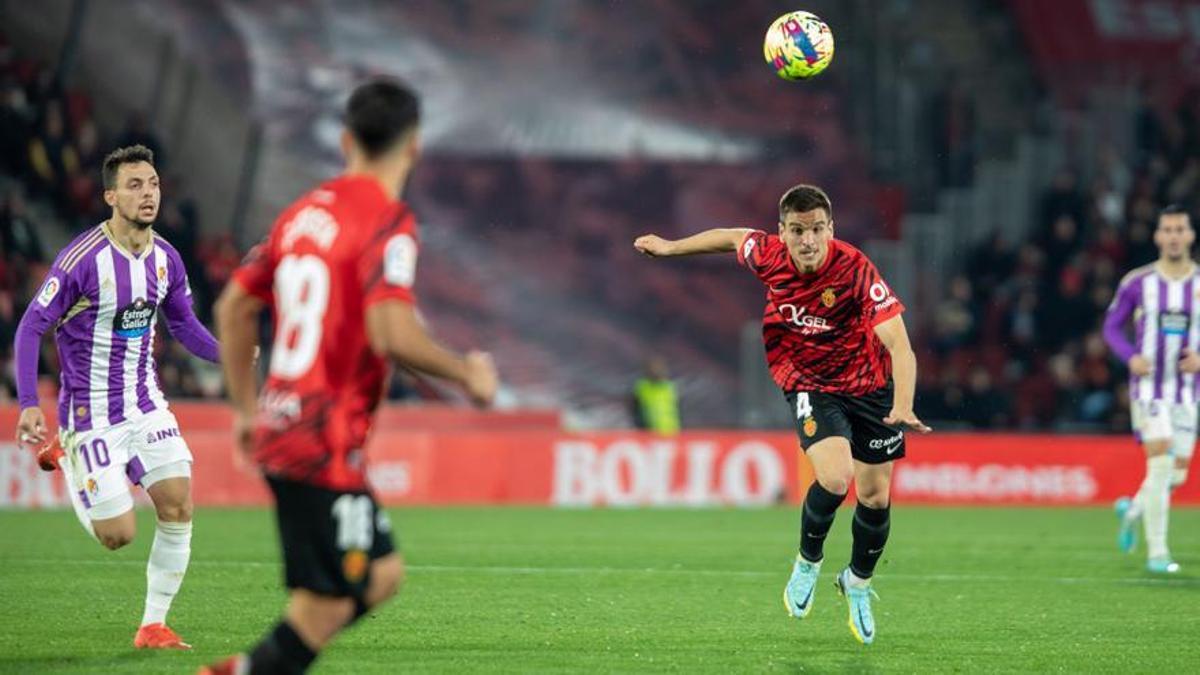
<point>130,154</point>
<point>1175,210</point>
<point>380,112</point>
<point>802,198</point>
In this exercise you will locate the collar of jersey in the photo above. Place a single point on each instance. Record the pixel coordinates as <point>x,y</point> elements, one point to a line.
<point>121,249</point>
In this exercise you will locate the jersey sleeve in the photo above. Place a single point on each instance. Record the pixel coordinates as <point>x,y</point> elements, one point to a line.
<point>59,291</point>
<point>256,274</point>
<point>758,253</point>
<point>387,269</point>
<point>1115,319</point>
<point>878,301</point>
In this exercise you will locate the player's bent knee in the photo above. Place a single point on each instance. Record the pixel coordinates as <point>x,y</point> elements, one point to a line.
<point>175,513</point>
<point>874,500</point>
<point>387,576</point>
<point>114,535</point>
<point>837,484</point>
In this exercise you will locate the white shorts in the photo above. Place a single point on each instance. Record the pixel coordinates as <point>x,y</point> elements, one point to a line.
<point>1159,420</point>
<point>142,451</point>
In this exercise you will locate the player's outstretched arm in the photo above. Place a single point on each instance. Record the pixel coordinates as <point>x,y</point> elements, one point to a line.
<point>904,374</point>
<point>237,329</point>
<point>395,330</point>
<point>719,240</point>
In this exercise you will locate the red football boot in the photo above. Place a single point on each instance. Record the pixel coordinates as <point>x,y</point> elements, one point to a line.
<point>158,636</point>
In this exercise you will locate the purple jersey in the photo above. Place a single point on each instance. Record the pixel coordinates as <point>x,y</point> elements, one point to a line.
<point>103,302</point>
<point>1166,320</point>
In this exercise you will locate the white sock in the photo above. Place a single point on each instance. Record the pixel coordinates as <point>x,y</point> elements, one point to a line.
<point>164,572</point>
<point>1156,501</point>
<point>76,501</point>
<point>1178,477</point>
<point>854,579</point>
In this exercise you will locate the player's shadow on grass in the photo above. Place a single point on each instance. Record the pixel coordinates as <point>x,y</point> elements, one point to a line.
<point>857,663</point>
<point>84,664</point>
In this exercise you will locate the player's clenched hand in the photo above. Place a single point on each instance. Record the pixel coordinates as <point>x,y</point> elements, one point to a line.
<point>31,427</point>
<point>907,418</point>
<point>482,379</point>
<point>1189,361</point>
<point>243,441</point>
<point>1139,365</point>
<point>652,245</point>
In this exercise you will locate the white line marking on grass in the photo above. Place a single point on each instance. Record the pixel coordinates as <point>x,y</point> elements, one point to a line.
<point>517,570</point>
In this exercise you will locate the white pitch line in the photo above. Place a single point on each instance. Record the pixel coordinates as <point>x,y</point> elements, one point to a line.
<point>517,570</point>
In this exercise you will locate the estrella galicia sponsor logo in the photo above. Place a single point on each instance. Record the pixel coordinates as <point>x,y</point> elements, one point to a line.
<point>1174,323</point>
<point>133,320</point>
<point>161,435</point>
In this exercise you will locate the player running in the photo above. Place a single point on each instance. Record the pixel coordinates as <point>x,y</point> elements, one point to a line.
<point>338,268</point>
<point>829,326</point>
<point>1164,300</point>
<point>102,296</point>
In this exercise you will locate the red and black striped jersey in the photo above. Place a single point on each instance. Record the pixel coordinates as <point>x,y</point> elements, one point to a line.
<point>818,328</point>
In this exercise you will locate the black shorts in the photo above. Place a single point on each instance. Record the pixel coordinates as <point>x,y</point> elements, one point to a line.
<point>858,419</point>
<point>329,538</point>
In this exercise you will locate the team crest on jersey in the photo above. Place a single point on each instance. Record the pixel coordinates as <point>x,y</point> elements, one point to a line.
<point>162,273</point>
<point>829,297</point>
<point>81,412</point>
<point>134,320</point>
<point>810,427</point>
<point>49,292</point>
<point>354,565</point>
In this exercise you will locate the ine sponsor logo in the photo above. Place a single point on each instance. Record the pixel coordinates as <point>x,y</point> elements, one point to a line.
<point>161,435</point>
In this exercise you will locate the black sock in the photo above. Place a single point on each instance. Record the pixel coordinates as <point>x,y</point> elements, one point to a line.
<point>281,652</point>
<point>870,531</point>
<point>816,517</point>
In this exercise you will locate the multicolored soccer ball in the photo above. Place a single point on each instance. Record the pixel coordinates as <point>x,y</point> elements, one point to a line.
<point>799,45</point>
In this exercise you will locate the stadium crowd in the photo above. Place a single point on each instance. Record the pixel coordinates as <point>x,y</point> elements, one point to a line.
<point>51,148</point>
<point>1017,342</point>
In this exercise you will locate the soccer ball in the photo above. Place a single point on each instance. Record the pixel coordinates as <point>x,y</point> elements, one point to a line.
<point>799,45</point>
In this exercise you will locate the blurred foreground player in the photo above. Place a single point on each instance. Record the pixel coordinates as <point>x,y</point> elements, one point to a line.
<point>1163,299</point>
<point>102,296</point>
<point>338,269</point>
<point>833,336</point>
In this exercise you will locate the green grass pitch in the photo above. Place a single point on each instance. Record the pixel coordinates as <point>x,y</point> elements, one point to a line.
<point>516,590</point>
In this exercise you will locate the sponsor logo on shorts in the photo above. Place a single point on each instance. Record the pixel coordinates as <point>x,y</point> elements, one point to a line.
<point>354,565</point>
<point>810,427</point>
<point>162,434</point>
<point>889,442</point>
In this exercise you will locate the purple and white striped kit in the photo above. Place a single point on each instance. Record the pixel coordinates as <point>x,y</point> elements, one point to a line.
<point>1166,320</point>
<point>106,334</point>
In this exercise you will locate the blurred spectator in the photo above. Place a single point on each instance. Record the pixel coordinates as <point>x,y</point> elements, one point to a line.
<point>655,401</point>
